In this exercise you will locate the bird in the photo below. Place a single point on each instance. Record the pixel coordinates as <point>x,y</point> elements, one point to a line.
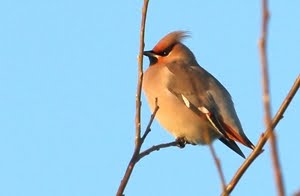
<point>192,105</point>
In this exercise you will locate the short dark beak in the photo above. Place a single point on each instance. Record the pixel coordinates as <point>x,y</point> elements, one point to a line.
<point>151,55</point>
<point>148,53</point>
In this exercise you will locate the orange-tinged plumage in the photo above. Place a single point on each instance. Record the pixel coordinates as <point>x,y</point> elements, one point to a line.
<point>170,40</point>
<point>193,105</point>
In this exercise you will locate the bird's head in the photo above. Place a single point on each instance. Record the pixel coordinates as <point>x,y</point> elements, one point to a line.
<point>169,49</point>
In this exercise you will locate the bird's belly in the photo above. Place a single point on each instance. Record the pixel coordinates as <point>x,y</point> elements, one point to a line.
<point>181,122</point>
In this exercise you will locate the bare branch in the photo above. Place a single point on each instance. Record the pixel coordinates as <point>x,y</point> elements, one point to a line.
<point>266,96</point>
<point>138,105</point>
<point>140,75</point>
<point>156,148</point>
<point>219,168</point>
<point>258,149</point>
<point>148,129</point>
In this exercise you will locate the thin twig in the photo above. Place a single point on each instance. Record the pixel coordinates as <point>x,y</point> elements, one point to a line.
<point>218,164</point>
<point>257,150</point>
<point>148,129</point>
<point>138,105</point>
<point>266,96</point>
<point>156,148</point>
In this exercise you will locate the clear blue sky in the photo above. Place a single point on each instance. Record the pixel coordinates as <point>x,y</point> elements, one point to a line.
<point>68,73</point>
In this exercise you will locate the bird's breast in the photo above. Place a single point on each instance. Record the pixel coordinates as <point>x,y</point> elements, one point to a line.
<point>173,114</point>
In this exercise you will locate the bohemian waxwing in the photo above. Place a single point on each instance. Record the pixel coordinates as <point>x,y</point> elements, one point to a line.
<point>193,105</point>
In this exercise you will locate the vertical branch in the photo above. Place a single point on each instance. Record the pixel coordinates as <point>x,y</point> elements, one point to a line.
<point>266,96</point>
<point>219,168</point>
<point>272,124</point>
<point>138,140</point>
<point>140,76</point>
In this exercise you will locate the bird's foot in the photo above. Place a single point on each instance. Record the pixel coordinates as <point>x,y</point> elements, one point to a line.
<point>181,142</point>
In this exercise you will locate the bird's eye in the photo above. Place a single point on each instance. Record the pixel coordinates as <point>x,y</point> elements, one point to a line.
<point>164,53</point>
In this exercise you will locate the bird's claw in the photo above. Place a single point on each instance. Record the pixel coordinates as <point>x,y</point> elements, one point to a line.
<point>181,142</point>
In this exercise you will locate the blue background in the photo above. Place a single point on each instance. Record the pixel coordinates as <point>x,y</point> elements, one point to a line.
<point>68,73</point>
